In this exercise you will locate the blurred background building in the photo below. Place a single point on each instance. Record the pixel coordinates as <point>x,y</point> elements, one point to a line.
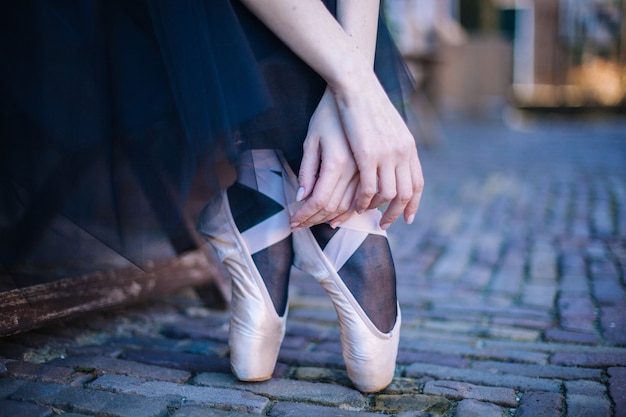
<point>477,57</point>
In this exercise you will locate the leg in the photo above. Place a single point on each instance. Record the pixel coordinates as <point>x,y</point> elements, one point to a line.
<point>355,268</point>
<point>248,226</point>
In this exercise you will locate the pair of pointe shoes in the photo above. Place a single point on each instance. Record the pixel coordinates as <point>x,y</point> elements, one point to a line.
<point>256,329</point>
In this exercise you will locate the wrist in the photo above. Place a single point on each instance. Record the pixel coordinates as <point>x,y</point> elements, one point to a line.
<point>354,76</point>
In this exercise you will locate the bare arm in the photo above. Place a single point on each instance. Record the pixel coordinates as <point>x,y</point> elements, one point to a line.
<point>382,147</point>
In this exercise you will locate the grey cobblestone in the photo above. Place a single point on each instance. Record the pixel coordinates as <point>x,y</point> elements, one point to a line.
<point>589,359</point>
<point>559,335</point>
<point>459,391</point>
<point>541,404</point>
<point>89,401</point>
<point>589,388</point>
<point>483,378</point>
<point>472,408</point>
<point>9,385</point>
<point>613,321</point>
<point>617,385</point>
<point>412,402</point>
<point>228,399</point>
<point>124,367</point>
<point>585,406</point>
<point>283,409</point>
<point>196,411</point>
<point>539,371</point>
<point>288,390</point>
<point>10,408</point>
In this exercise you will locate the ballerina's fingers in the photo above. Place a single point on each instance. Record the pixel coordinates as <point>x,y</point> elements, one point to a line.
<point>417,181</point>
<point>330,198</point>
<point>403,195</point>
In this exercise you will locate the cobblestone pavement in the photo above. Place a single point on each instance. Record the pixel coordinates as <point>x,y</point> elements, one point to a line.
<point>511,283</point>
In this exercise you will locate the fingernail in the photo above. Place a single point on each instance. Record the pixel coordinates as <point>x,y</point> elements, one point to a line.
<point>293,226</point>
<point>385,226</point>
<point>335,224</point>
<point>360,211</point>
<point>410,219</point>
<point>300,193</point>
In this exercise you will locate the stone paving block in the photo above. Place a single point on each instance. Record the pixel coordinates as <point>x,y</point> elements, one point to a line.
<point>393,404</point>
<point>543,262</point>
<point>406,356</point>
<point>288,390</point>
<point>601,216</point>
<point>540,371</point>
<point>478,350</point>
<point>204,347</point>
<point>613,323</point>
<point>227,399</point>
<point>583,387</point>
<point>310,358</point>
<point>124,367</point>
<point>539,294</point>
<point>94,350</point>
<point>415,414</point>
<point>477,275</point>
<point>196,411</point>
<point>603,268</point>
<point>586,406</point>
<point>422,339</point>
<point>295,342</point>
<point>577,313</point>
<point>41,372</point>
<point>90,401</point>
<point>552,347</point>
<point>187,362</point>
<point>482,378</point>
<point>508,279</point>
<point>590,360</point>
<point>314,374</point>
<point>10,408</point>
<point>314,314</point>
<point>75,415</point>
<point>608,290</point>
<point>314,332</point>
<point>523,322</point>
<point>574,284</point>
<point>482,330</point>
<point>9,385</point>
<point>401,385</point>
<point>327,346</point>
<point>560,335</point>
<point>454,260</point>
<point>473,408</point>
<point>540,404</point>
<point>197,329</point>
<point>617,388</point>
<point>285,409</point>
<point>488,246</point>
<point>460,391</point>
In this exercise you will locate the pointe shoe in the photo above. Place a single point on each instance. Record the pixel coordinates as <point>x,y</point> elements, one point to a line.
<point>369,354</point>
<point>256,329</point>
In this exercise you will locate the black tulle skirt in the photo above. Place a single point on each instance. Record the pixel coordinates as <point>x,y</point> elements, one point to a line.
<point>111,110</point>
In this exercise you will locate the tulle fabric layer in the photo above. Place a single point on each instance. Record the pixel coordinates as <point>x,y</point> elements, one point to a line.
<point>109,109</point>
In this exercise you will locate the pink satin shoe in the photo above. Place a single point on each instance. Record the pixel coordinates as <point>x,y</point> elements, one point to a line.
<point>369,354</point>
<point>256,329</point>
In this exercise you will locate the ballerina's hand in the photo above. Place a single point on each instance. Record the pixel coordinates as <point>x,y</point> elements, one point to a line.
<point>328,176</point>
<point>383,148</point>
